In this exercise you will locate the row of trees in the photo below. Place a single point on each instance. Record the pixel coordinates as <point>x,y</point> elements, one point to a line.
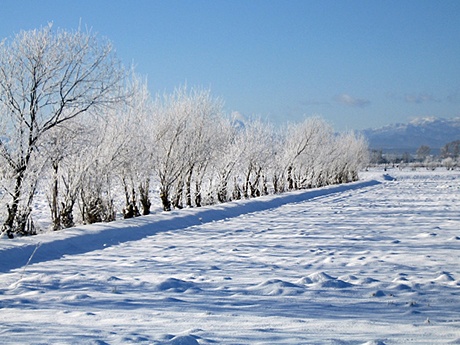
<point>448,157</point>
<point>76,127</point>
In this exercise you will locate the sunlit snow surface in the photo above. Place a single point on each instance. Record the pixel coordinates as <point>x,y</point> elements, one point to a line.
<point>373,265</point>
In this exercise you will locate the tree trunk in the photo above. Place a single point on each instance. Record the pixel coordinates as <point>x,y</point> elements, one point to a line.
<point>164,196</point>
<point>8,225</point>
<point>131,210</point>
<point>289,178</point>
<point>198,193</point>
<point>264,186</point>
<point>144,197</point>
<point>177,200</point>
<point>66,210</point>
<point>222,192</point>
<point>236,190</point>
<point>188,189</point>
<point>255,192</point>
<point>54,205</point>
<point>246,184</point>
<point>66,214</point>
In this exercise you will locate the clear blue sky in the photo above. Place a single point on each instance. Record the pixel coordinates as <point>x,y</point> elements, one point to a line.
<point>358,64</point>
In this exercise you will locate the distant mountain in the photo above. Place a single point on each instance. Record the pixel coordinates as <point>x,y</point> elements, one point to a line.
<point>431,131</point>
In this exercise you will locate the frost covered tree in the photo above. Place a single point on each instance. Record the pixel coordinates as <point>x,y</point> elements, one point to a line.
<point>207,147</point>
<point>47,78</point>
<point>278,165</point>
<point>356,155</point>
<point>72,125</point>
<point>63,150</point>
<point>342,159</point>
<point>257,139</point>
<point>448,163</point>
<point>171,117</point>
<point>135,147</point>
<point>302,144</point>
<point>98,181</point>
<point>224,161</point>
<point>201,138</point>
<point>182,140</point>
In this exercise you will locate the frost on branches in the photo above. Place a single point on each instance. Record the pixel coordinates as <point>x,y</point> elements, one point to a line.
<point>47,79</point>
<point>78,129</point>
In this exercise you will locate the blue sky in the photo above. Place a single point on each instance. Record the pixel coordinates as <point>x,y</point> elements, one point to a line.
<point>357,64</point>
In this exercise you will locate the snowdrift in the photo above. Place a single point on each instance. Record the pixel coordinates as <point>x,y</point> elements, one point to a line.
<point>50,246</point>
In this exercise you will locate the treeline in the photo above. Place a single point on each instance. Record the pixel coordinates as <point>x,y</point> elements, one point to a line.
<point>79,129</point>
<point>447,156</point>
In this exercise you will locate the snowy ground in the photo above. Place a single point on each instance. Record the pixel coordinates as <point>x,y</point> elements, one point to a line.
<point>362,264</point>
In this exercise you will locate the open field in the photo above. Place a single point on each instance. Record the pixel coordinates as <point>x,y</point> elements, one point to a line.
<point>373,263</point>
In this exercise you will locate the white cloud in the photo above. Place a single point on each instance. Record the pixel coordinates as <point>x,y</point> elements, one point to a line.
<point>350,101</point>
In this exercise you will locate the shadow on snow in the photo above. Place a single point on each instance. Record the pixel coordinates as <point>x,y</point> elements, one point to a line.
<point>82,239</point>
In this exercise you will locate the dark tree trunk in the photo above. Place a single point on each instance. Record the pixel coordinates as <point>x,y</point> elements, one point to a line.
<point>144,198</point>
<point>54,205</point>
<point>246,184</point>
<point>9,224</point>
<point>177,200</point>
<point>236,190</point>
<point>164,196</point>
<point>289,178</point>
<point>198,194</point>
<point>188,188</point>
<point>66,214</point>
<point>222,192</point>
<point>131,210</point>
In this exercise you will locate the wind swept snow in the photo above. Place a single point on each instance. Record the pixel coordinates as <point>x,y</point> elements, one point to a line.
<point>366,263</point>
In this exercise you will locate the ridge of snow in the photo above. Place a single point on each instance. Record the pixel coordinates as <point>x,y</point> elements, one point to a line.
<point>81,239</point>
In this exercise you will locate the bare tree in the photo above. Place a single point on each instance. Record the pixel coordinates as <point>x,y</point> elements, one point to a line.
<point>46,79</point>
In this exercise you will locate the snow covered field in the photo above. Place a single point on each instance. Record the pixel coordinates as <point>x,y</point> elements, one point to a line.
<point>369,263</point>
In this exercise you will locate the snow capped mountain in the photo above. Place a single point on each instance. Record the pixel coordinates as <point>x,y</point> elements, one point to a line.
<point>430,131</point>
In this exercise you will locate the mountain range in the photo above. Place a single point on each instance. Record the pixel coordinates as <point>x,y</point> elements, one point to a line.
<point>398,138</point>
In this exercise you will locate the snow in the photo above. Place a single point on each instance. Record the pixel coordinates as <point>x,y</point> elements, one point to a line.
<point>374,262</point>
